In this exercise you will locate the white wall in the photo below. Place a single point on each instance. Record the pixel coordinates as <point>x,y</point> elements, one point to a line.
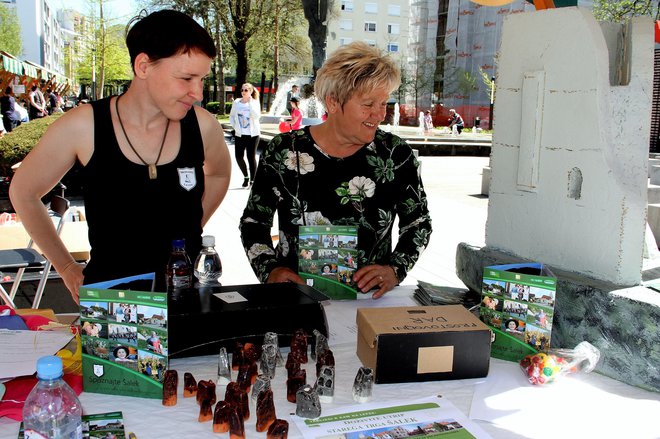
<point>570,151</point>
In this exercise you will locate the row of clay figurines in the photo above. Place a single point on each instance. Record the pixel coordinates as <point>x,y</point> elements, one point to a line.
<point>229,415</point>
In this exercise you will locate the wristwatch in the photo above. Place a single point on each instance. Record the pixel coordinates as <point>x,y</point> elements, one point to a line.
<point>397,273</point>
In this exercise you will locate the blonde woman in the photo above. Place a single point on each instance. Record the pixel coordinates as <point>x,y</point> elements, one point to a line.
<point>345,171</point>
<point>244,118</point>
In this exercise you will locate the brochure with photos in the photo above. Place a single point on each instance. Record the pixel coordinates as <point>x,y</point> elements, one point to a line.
<point>518,302</point>
<point>101,426</point>
<point>124,338</point>
<point>328,259</point>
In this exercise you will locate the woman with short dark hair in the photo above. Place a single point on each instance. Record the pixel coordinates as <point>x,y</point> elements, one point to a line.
<point>149,155</point>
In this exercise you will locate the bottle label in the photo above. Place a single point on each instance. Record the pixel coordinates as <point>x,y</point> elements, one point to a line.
<point>77,434</point>
<point>181,281</point>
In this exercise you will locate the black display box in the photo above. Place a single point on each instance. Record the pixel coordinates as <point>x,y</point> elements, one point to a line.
<point>201,320</point>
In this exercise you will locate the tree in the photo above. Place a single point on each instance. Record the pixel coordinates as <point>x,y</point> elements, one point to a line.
<point>10,31</point>
<point>242,23</point>
<point>621,10</point>
<point>105,58</point>
<point>208,12</point>
<point>316,13</point>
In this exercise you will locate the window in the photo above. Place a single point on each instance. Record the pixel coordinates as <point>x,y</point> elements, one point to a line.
<point>394,10</point>
<point>346,24</point>
<point>394,28</point>
<point>372,43</point>
<point>393,47</point>
<point>345,41</point>
<point>347,6</point>
<point>369,26</point>
<point>371,8</point>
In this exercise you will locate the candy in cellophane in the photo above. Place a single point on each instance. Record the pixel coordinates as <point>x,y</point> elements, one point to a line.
<point>542,368</point>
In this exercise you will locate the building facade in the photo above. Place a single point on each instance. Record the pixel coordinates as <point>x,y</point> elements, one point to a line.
<point>41,34</point>
<point>384,24</point>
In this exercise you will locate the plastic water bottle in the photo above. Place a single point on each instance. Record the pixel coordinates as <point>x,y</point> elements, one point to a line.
<point>208,267</point>
<point>179,268</point>
<point>52,409</point>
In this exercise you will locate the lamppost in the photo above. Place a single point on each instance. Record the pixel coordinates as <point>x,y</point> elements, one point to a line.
<point>94,75</point>
<point>492,102</point>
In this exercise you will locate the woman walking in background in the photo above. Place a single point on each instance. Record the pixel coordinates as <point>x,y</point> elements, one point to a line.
<point>244,118</point>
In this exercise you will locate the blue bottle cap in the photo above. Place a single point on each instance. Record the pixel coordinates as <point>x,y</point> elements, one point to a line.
<point>178,243</point>
<point>49,368</point>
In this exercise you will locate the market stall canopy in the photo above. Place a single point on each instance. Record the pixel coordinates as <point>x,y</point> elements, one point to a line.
<point>11,64</point>
<point>657,31</point>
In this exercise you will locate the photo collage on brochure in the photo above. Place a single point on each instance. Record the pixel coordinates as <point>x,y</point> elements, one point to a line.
<point>100,426</point>
<point>328,252</point>
<point>129,334</point>
<point>520,310</point>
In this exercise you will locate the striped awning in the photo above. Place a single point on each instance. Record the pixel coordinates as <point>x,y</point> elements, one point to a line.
<point>30,70</point>
<point>12,65</point>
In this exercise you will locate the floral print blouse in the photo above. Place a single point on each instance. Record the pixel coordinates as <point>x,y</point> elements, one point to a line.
<point>368,189</point>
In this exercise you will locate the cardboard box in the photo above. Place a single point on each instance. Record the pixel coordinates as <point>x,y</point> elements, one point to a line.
<point>204,319</point>
<point>424,343</point>
<point>518,304</point>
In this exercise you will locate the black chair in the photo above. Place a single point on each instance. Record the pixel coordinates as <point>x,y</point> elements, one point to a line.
<point>20,259</point>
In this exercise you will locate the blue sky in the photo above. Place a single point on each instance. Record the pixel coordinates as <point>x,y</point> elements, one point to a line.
<point>122,10</point>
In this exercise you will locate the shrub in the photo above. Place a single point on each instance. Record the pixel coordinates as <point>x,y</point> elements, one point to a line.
<point>16,145</point>
<point>228,107</point>
<point>213,107</point>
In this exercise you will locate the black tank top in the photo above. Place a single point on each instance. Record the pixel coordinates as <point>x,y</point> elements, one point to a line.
<point>132,220</point>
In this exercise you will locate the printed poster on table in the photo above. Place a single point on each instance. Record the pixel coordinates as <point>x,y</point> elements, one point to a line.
<point>518,302</point>
<point>124,338</point>
<point>425,418</point>
<point>328,259</point>
<point>100,425</point>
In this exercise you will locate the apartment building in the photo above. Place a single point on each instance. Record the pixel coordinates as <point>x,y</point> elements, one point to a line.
<point>383,24</point>
<point>41,34</point>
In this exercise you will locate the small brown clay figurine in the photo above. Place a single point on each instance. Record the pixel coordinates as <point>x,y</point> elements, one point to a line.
<point>170,385</point>
<point>265,410</point>
<point>206,391</point>
<point>221,416</point>
<point>294,383</point>
<point>299,346</point>
<point>189,385</point>
<point>237,397</point>
<point>236,426</point>
<point>205,411</point>
<point>278,430</point>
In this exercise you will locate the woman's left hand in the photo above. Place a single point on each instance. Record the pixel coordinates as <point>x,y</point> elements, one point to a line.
<point>379,277</point>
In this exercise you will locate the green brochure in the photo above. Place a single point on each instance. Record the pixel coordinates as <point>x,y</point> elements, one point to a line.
<point>328,259</point>
<point>124,337</point>
<point>517,302</point>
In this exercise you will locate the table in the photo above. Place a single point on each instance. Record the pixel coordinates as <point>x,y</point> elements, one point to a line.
<point>602,407</point>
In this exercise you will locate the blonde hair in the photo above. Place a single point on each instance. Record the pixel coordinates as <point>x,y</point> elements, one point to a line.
<point>254,93</point>
<point>355,68</point>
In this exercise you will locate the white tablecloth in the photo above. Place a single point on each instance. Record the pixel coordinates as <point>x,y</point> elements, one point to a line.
<point>600,406</point>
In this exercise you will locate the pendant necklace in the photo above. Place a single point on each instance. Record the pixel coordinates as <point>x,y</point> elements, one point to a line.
<point>153,173</point>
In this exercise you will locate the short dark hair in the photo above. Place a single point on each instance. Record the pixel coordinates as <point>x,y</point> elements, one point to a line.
<point>166,33</point>
<point>8,90</point>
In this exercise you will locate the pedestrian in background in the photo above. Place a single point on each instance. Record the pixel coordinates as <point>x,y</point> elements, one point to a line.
<point>244,118</point>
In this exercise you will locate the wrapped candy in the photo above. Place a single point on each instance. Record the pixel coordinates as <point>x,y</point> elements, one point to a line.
<point>544,368</point>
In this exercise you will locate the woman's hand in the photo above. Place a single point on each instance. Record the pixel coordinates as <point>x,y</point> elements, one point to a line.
<point>72,275</point>
<point>284,274</point>
<point>381,277</point>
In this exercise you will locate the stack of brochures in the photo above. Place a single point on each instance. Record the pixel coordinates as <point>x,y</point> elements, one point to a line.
<point>427,294</point>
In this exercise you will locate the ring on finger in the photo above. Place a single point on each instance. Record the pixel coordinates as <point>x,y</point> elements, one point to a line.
<point>380,278</point>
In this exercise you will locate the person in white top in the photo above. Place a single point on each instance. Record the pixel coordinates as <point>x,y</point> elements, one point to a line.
<point>244,118</point>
